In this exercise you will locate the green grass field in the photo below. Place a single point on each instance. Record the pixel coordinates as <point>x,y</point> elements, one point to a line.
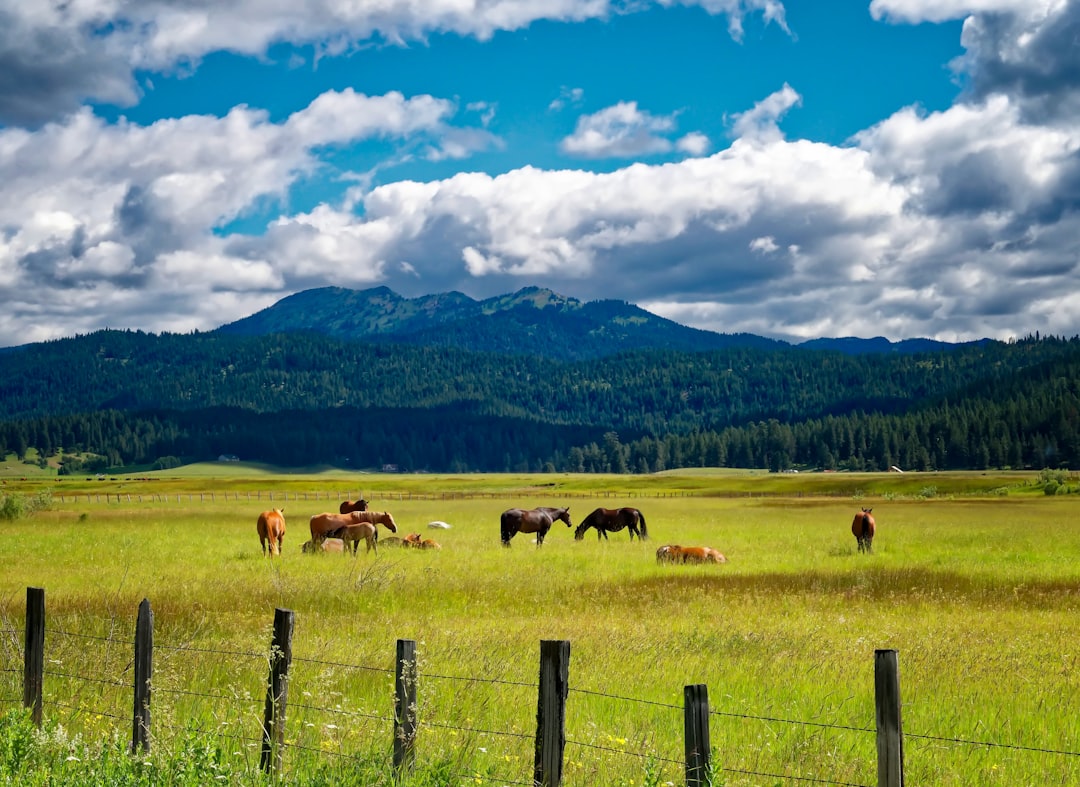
<point>974,580</point>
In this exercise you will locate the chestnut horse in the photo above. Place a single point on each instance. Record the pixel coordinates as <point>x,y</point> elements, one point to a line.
<point>673,553</point>
<point>271,527</point>
<point>612,520</point>
<point>323,525</point>
<point>348,506</point>
<point>535,520</point>
<point>863,528</point>
<point>353,534</point>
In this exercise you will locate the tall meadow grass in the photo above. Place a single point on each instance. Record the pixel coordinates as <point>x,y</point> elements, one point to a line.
<point>978,595</point>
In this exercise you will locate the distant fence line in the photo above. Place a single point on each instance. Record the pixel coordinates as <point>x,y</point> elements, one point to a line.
<point>271,496</point>
<point>553,690</point>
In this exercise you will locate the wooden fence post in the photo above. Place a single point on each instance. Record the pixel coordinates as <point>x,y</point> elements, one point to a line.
<point>551,712</point>
<point>144,668</point>
<point>277,692</point>
<point>890,737</point>
<point>405,705</point>
<point>34,652</point>
<point>696,734</point>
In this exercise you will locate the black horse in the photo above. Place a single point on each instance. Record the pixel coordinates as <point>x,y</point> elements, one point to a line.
<point>536,520</point>
<point>612,520</point>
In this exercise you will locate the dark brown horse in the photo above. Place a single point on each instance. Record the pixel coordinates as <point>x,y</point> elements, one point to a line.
<point>535,520</point>
<point>863,528</point>
<point>348,506</point>
<point>612,520</point>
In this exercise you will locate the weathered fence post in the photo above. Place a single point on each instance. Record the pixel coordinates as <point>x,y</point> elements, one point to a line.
<point>696,734</point>
<point>144,661</point>
<point>405,705</point>
<point>277,692</point>
<point>890,737</point>
<point>34,653</point>
<point>551,712</point>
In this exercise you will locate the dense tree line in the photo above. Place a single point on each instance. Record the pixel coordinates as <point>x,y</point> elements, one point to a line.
<point>136,399</point>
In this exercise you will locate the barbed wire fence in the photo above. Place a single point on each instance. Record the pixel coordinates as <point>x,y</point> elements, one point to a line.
<point>118,688</point>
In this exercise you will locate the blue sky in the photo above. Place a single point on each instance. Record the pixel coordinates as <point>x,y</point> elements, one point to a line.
<point>793,169</point>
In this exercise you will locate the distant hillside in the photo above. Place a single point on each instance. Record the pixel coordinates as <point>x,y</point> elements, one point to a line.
<point>134,398</point>
<point>532,321</point>
<point>851,345</point>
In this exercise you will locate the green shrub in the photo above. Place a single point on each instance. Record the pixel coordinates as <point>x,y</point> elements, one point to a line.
<point>16,506</point>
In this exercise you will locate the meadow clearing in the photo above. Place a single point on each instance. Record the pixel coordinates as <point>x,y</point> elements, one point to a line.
<point>975,585</point>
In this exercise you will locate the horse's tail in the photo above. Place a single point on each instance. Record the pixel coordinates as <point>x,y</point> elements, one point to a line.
<point>644,529</point>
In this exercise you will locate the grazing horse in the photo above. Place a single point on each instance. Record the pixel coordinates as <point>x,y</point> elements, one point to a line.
<point>348,506</point>
<point>271,527</point>
<point>612,520</point>
<point>863,528</point>
<point>535,520</point>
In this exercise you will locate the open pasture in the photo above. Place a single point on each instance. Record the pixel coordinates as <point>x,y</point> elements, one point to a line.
<point>978,595</point>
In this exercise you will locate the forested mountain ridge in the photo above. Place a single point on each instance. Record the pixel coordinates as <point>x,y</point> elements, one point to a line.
<point>534,380</point>
<point>304,398</point>
<point>532,321</point>
<point>646,391</point>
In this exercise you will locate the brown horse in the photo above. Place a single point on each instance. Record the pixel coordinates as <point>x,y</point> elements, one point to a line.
<point>327,545</point>
<point>348,506</point>
<point>271,527</point>
<point>863,528</point>
<point>383,518</point>
<point>535,520</point>
<point>673,553</point>
<point>354,534</point>
<point>612,520</point>
<point>323,525</point>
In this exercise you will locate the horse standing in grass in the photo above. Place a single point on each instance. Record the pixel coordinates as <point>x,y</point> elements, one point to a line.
<point>348,506</point>
<point>271,527</point>
<point>612,520</point>
<point>322,525</point>
<point>534,520</point>
<point>354,534</point>
<point>863,528</point>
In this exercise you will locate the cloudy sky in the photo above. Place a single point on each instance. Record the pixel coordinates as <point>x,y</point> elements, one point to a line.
<point>899,168</point>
